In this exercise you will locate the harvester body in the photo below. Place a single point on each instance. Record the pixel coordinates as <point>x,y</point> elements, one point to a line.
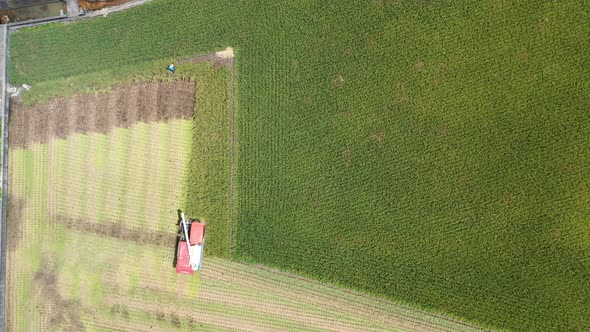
<point>189,254</point>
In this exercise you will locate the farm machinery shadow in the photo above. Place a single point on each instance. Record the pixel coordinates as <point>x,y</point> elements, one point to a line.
<point>175,259</point>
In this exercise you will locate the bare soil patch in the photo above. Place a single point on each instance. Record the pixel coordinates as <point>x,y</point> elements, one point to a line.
<point>117,230</point>
<point>14,222</point>
<point>97,5</point>
<point>121,108</point>
<point>63,314</point>
<point>228,53</point>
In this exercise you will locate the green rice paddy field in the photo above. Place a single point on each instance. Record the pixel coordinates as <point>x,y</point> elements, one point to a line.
<point>434,153</point>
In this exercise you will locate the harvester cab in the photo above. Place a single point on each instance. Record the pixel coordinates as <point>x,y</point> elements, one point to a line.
<point>191,245</point>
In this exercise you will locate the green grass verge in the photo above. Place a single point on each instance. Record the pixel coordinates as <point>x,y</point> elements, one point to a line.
<point>434,153</point>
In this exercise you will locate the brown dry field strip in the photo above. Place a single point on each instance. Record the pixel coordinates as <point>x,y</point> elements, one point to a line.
<point>121,108</point>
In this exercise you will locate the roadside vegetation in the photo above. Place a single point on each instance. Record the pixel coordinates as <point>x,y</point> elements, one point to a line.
<point>431,153</point>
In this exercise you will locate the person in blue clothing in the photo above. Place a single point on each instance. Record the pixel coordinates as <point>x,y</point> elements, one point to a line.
<point>171,68</point>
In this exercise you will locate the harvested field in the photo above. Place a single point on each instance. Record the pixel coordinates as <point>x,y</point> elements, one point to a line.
<point>121,108</point>
<point>120,178</point>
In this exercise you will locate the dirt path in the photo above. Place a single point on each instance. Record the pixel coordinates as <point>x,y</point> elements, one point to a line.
<point>121,108</point>
<point>73,9</point>
<point>124,6</point>
<point>73,17</point>
<point>4,152</point>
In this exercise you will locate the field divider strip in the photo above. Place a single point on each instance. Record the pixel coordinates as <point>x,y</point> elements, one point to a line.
<point>4,74</point>
<point>232,160</point>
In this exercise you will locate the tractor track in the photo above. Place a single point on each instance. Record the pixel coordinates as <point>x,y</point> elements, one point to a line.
<point>117,230</point>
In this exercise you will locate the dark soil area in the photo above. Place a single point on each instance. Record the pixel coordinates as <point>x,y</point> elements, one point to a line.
<point>14,222</point>
<point>63,314</point>
<point>117,230</point>
<point>121,108</point>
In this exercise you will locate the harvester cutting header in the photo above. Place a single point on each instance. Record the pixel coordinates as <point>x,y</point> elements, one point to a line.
<point>191,245</point>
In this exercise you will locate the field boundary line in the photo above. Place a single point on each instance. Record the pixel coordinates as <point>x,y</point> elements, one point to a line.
<point>4,78</point>
<point>233,160</point>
